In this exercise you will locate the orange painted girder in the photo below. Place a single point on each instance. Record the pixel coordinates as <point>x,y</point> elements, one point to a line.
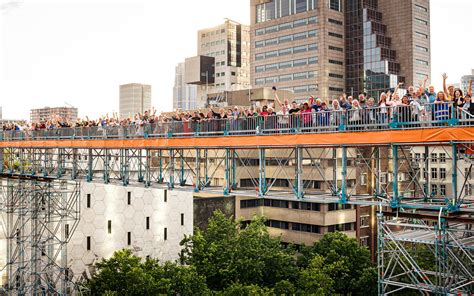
<point>419,136</point>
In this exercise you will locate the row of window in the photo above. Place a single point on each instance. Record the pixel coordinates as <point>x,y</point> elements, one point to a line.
<point>216,32</point>
<point>215,54</point>
<point>286,51</point>
<point>286,38</point>
<point>286,64</point>
<point>129,239</point>
<point>213,43</point>
<point>286,26</point>
<point>433,157</point>
<point>302,227</point>
<point>129,198</point>
<point>296,205</point>
<point>280,8</point>
<point>285,77</point>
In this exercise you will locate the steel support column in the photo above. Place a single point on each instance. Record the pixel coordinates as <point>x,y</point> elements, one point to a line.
<point>395,202</point>
<point>182,180</point>
<point>90,170</point>
<point>343,194</point>
<point>160,166</point>
<point>171,170</point>
<point>299,188</point>
<point>227,172</point>
<point>106,166</point>
<point>262,181</point>
<point>197,181</point>
<point>206,168</point>
<point>454,202</point>
<point>234,170</point>
<point>148,163</point>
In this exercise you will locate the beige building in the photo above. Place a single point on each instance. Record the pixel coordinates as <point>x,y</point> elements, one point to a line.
<point>134,98</point>
<point>48,113</point>
<point>298,47</point>
<point>228,47</point>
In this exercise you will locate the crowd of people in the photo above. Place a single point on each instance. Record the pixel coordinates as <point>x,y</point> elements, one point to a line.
<point>422,104</point>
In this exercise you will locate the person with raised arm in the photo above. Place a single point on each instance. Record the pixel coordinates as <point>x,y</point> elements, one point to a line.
<point>448,91</point>
<point>277,99</point>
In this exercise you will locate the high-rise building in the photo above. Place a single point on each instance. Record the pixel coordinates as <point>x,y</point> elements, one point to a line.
<point>465,80</point>
<point>223,62</point>
<point>134,98</point>
<point>387,42</point>
<point>184,95</point>
<point>298,45</point>
<point>49,113</point>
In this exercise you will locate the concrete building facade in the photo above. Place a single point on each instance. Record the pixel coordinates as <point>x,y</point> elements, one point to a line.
<point>49,113</point>
<point>184,95</point>
<point>298,46</point>
<point>134,98</point>
<point>229,45</point>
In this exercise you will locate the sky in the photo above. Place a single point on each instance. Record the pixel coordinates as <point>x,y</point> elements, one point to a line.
<point>71,52</point>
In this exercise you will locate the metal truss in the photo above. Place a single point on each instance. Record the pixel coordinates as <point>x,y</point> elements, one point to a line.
<point>431,257</point>
<point>39,217</point>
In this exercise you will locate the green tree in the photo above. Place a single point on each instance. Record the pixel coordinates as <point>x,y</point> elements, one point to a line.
<point>315,278</point>
<point>245,290</point>
<point>344,257</point>
<point>226,254</point>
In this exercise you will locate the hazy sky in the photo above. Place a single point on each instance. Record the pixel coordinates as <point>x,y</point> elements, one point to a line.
<point>79,52</point>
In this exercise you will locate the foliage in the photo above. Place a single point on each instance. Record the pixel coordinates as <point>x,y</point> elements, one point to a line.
<point>227,254</point>
<point>229,260</point>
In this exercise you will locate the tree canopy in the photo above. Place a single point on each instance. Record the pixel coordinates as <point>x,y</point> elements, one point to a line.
<point>231,259</point>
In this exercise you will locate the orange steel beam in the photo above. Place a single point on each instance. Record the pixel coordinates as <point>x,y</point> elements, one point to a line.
<point>413,136</point>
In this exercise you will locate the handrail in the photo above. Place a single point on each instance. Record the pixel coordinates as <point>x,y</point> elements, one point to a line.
<point>330,121</point>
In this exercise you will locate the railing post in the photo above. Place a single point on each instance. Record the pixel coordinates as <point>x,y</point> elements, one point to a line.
<point>342,124</point>
<point>394,121</point>
<point>395,202</point>
<point>453,120</point>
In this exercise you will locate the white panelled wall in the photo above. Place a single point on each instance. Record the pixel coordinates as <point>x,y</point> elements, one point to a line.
<point>152,222</point>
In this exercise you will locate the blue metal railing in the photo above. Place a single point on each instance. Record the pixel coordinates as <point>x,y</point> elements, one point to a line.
<point>331,121</point>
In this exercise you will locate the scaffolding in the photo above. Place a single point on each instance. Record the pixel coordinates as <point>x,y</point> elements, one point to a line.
<point>426,254</point>
<point>39,216</point>
<point>424,235</point>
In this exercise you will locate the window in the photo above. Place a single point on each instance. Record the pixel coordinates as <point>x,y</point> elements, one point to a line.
<point>434,189</point>
<point>147,223</point>
<point>335,62</point>
<point>88,201</point>
<point>434,158</point>
<point>334,75</point>
<point>287,77</point>
<point>434,173</point>
<point>271,29</point>
<point>442,189</point>
<point>301,62</point>
<point>312,61</point>
<point>421,8</point>
<point>422,35</point>
<point>312,20</point>
<point>269,42</point>
<point>284,65</point>
<point>271,54</point>
<point>312,47</point>
<point>129,198</point>
<point>271,67</point>
<point>66,230</point>
<point>468,189</point>
<point>301,6</point>
<point>299,49</point>
<point>260,69</point>
<point>420,21</point>
<point>166,195</point>
<point>340,49</point>
<point>299,23</point>
<point>302,75</point>
<point>333,21</point>
<point>299,36</point>
<point>335,5</point>
<point>442,158</point>
<point>260,32</point>
<point>259,81</point>
<point>312,33</point>
<point>364,241</point>
<point>182,219</point>
<point>232,73</point>
<point>285,51</point>
<point>332,34</point>
<point>259,44</point>
<point>109,226</point>
<point>285,26</point>
<point>260,56</point>
<point>286,38</point>
<point>165,234</point>
<point>129,238</point>
<point>88,243</point>
<point>421,48</point>
<point>442,173</point>
<point>300,89</point>
<point>364,221</point>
